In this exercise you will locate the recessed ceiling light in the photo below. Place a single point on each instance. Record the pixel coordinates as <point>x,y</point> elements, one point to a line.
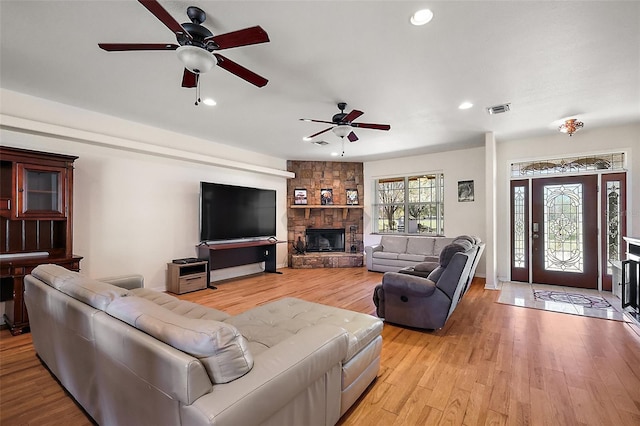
<point>465,105</point>
<point>334,154</point>
<point>422,17</point>
<point>209,101</point>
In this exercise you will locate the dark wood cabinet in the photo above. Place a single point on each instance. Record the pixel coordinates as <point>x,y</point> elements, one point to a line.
<point>36,222</point>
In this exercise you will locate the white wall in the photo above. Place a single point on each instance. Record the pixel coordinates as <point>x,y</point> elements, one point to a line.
<point>134,211</point>
<point>460,217</point>
<point>557,145</point>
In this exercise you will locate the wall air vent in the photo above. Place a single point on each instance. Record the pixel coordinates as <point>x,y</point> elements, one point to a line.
<point>499,109</point>
<point>320,143</point>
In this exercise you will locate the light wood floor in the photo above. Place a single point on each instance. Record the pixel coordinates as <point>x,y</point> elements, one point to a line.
<point>491,364</point>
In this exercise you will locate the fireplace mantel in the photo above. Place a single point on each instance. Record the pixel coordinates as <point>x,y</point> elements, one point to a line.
<point>345,208</point>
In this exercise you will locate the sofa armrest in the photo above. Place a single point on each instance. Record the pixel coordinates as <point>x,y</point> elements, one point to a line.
<point>410,285</point>
<point>125,281</point>
<point>373,248</point>
<point>368,254</point>
<point>279,375</point>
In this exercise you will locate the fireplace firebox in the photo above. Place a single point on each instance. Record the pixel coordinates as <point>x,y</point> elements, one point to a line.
<point>325,240</point>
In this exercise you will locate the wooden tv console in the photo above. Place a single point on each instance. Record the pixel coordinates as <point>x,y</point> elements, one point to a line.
<point>227,255</point>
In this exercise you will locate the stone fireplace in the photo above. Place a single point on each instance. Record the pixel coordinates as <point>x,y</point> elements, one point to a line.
<point>307,220</point>
<point>324,240</point>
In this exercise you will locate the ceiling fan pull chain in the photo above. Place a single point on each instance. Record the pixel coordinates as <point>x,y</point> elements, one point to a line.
<point>197,89</point>
<point>342,147</point>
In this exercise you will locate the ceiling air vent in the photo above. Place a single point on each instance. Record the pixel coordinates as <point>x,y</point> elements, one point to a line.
<point>499,109</point>
<point>321,143</point>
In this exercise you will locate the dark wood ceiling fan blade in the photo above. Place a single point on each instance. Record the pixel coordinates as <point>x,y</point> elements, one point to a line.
<point>245,37</point>
<point>189,79</point>
<point>352,137</point>
<point>123,47</point>
<point>240,71</point>
<point>319,133</point>
<point>316,121</point>
<point>371,126</point>
<point>352,116</point>
<point>161,13</point>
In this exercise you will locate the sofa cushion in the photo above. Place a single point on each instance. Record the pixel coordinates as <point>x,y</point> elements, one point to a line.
<point>219,346</point>
<point>94,293</point>
<point>420,245</point>
<point>394,243</point>
<point>385,255</point>
<point>270,324</point>
<point>464,243</point>
<point>53,275</point>
<point>447,253</point>
<point>412,257</point>
<point>181,307</point>
<point>469,238</point>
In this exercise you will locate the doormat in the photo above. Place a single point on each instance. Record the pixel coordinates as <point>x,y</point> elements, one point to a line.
<point>575,298</point>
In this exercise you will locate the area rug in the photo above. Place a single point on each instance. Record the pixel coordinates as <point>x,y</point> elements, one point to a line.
<point>586,301</point>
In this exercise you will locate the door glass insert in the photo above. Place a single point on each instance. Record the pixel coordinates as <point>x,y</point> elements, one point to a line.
<point>563,219</point>
<point>613,223</point>
<point>519,227</point>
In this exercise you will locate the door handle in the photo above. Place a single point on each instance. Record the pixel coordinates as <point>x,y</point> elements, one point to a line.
<point>535,236</point>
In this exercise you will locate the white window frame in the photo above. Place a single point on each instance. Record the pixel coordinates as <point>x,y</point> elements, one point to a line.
<point>383,225</point>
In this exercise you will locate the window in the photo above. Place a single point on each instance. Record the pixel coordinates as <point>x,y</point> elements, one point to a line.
<point>410,205</point>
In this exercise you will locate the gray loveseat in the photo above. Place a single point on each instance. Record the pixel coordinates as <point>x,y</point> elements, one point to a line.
<point>427,303</point>
<point>130,355</point>
<point>395,252</point>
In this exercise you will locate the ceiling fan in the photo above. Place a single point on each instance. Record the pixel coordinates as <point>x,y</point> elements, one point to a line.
<point>343,124</point>
<point>197,45</point>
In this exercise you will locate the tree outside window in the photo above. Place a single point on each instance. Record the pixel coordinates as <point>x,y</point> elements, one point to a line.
<point>410,205</point>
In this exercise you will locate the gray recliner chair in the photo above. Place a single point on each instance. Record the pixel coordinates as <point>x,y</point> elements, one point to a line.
<point>427,303</point>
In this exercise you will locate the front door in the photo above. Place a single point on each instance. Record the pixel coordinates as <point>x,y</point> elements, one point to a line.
<point>564,231</point>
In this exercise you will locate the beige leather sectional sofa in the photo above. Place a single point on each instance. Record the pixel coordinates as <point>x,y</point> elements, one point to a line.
<point>130,355</point>
<point>395,252</point>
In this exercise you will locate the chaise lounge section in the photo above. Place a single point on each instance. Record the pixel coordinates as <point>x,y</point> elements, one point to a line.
<point>130,355</point>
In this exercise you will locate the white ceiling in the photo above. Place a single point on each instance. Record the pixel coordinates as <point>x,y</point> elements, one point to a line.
<point>550,60</point>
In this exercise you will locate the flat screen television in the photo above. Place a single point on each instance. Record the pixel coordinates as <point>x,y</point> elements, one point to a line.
<point>229,212</point>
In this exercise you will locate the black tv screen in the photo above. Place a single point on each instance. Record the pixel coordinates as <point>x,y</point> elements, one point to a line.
<point>229,212</point>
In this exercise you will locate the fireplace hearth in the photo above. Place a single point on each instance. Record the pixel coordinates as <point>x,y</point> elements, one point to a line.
<point>325,240</point>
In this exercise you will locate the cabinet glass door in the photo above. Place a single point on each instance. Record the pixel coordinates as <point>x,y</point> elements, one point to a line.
<point>40,191</point>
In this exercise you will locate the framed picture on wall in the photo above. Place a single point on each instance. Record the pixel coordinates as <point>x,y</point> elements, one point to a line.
<point>465,190</point>
<point>299,196</point>
<point>352,196</point>
<point>326,196</point>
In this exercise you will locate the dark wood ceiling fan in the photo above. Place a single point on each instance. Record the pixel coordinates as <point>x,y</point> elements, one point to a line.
<point>197,47</point>
<point>342,123</point>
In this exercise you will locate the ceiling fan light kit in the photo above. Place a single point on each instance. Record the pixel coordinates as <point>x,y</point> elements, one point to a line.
<point>342,130</point>
<point>196,59</point>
